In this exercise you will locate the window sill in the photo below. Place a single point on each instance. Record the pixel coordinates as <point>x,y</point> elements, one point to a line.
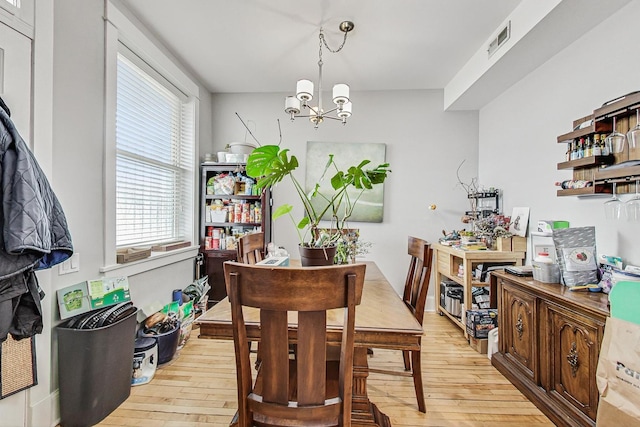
<point>156,260</point>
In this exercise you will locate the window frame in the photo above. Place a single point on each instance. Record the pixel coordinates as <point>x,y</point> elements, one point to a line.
<point>20,18</point>
<point>120,29</point>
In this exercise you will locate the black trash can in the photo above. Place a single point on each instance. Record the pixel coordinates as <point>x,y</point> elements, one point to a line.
<point>94,367</point>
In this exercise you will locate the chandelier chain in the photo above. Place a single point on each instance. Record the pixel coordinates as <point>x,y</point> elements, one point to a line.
<point>324,41</point>
<point>321,37</point>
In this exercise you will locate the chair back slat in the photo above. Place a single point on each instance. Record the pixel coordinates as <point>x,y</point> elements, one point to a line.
<point>311,357</point>
<point>275,356</point>
<point>286,389</point>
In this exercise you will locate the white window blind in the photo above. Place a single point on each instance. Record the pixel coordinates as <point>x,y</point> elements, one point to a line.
<point>154,157</point>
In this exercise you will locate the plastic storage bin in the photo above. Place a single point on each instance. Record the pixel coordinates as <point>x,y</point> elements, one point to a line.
<point>167,343</point>
<point>94,367</point>
<point>546,272</point>
<point>145,360</point>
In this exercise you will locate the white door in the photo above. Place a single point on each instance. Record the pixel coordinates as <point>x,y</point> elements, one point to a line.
<point>15,78</point>
<point>15,90</point>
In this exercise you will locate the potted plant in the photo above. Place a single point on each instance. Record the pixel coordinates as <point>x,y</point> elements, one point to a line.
<point>271,164</point>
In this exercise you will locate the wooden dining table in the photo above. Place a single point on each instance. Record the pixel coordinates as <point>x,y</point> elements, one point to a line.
<point>382,321</point>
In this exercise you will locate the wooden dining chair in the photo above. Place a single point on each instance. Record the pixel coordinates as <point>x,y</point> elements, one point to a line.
<point>250,248</point>
<point>416,288</point>
<point>308,389</point>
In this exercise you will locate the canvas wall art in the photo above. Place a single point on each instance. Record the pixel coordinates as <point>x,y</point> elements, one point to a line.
<point>369,207</point>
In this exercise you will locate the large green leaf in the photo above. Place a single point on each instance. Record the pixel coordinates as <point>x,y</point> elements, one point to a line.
<point>303,222</point>
<point>281,210</point>
<point>270,165</point>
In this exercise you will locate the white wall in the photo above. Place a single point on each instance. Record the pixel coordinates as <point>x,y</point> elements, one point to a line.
<point>518,130</point>
<point>425,145</point>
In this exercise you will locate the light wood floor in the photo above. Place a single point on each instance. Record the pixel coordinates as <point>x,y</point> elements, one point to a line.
<point>198,387</point>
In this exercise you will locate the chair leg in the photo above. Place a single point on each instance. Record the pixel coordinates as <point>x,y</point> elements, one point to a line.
<point>417,380</point>
<point>406,355</point>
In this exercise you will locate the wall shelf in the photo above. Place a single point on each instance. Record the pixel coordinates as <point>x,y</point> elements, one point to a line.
<point>587,162</point>
<point>587,191</point>
<point>595,127</point>
<point>623,105</point>
<point>603,171</point>
<point>626,174</point>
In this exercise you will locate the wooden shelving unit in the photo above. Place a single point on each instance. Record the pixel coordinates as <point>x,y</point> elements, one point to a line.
<point>214,258</point>
<point>448,262</point>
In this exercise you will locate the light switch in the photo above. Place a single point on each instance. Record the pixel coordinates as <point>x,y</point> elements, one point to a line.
<point>71,265</point>
<point>75,262</point>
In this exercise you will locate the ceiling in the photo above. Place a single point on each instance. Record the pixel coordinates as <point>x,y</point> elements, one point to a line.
<point>267,45</point>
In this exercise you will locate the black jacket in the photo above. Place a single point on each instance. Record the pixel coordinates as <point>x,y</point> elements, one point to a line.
<point>34,233</point>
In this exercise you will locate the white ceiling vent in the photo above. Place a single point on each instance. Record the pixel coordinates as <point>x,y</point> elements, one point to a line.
<point>500,39</point>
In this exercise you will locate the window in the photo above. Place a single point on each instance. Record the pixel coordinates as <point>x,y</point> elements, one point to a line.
<point>154,156</point>
<point>150,165</point>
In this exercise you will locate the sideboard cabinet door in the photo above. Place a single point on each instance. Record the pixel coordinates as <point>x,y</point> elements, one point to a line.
<point>569,358</point>
<point>519,310</point>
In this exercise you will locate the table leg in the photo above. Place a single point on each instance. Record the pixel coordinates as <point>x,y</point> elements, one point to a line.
<point>364,412</point>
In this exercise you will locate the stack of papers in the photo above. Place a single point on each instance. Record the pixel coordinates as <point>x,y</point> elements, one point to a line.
<point>473,246</point>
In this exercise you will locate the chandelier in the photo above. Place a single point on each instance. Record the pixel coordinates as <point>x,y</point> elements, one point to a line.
<point>304,91</point>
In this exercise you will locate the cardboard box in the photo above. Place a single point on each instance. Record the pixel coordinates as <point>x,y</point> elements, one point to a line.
<point>503,244</point>
<point>518,244</point>
<point>480,322</point>
<point>92,294</point>
<point>478,344</point>
<point>170,246</point>
<point>129,255</point>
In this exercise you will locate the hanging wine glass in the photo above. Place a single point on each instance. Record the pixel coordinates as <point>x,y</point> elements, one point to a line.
<point>632,205</point>
<point>633,136</point>
<point>613,206</point>
<point>615,140</point>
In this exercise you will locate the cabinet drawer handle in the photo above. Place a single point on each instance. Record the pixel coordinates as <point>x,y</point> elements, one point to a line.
<point>572,359</point>
<point>519,326</point>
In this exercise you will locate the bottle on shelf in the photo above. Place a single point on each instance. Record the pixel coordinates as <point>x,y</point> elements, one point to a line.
<point>588,148</point>
<point>574,150</point>
<point>574,183</point>
<point>597,150</point>
<point>603,146</point>
<point>581,148</point>
<point>568,153</point>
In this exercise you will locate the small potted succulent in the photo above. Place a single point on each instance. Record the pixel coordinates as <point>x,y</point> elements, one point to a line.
<point>271,164</point>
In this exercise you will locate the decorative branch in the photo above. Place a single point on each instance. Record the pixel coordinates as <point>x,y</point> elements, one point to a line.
<point>470,188</point>
<point>249,130</point>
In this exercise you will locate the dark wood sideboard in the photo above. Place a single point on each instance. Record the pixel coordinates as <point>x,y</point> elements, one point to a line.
<point>549,343</point>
